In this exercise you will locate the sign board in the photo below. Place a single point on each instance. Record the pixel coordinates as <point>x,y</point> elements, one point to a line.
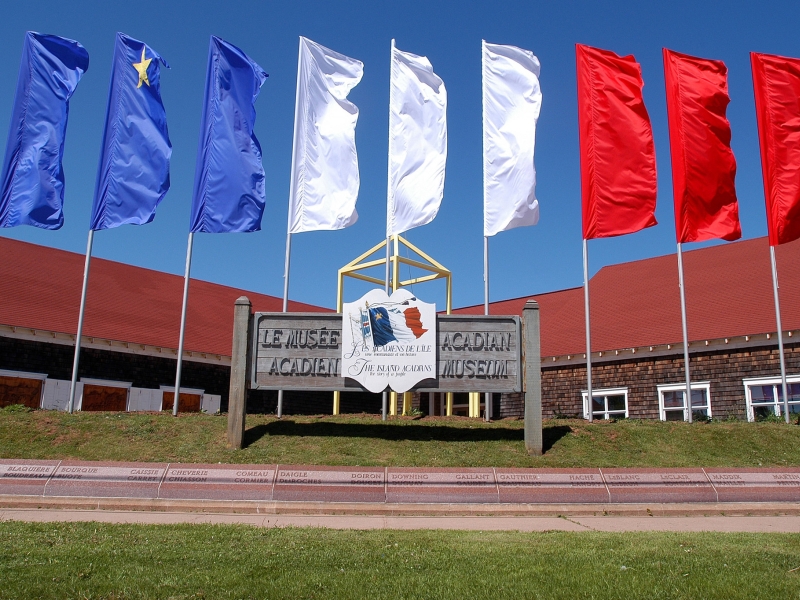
<point>477,353</point>
<point>303,351</point>
<point>389,340</point>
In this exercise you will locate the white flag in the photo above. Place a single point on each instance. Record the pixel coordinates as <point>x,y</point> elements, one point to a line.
<point>417,142</point>
<point>512,100</point>
<point>325,179</point>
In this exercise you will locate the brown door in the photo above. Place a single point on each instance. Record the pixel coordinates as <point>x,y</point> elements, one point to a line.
<point>102,397</point>
<point>20,390</point>
<point>187,402</point>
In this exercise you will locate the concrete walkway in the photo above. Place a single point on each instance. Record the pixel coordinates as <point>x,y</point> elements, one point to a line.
<point>748,524</point>
<point>352,497</point>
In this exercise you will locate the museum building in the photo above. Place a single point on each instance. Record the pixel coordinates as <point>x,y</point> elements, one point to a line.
<point>128,355</point>
<point>130,336</point>
<point>637,343</point>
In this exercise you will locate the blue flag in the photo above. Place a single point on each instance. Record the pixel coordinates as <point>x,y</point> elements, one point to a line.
<point>32,184</point>
<point>133,175</point>
<point>229,178</point>
<point>382,332</point>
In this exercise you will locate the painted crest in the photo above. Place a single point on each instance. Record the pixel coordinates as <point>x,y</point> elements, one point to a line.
<point>389,341</point>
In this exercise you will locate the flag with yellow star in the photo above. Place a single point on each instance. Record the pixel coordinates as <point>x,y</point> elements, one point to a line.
<point>133,176</point>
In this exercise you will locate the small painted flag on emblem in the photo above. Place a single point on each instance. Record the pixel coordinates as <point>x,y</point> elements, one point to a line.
<point>395,325</point>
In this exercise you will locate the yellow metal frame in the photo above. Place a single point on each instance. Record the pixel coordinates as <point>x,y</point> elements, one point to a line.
<point>354,269</point>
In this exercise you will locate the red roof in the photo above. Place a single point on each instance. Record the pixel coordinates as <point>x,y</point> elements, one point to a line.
<point>635,304</point>
<point>41,289</point>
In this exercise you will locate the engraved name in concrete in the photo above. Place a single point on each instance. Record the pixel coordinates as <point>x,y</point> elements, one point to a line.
<point>755,479</point>
<point>217,476</point>
<point>435,479</point>
<point>559,480</point>
<point>11,471</point>
<point>109,474</point>
<point>328,478</point>
<point>615,480</point>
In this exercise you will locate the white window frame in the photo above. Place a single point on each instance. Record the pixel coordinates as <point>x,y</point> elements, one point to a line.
<point>605,414</point>
<point>775,382</point>
<point>106,382</point>
<point>681,387</point>
<point>184,390</point>
<point>23,375</point>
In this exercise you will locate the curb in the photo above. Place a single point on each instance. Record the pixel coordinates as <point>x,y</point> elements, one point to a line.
<point>693,509</point>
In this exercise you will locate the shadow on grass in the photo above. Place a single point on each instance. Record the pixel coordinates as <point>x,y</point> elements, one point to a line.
<point>551,435</point>
<point>416,433</point>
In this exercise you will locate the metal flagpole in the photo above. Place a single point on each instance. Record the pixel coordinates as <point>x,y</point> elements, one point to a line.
<point>780,332</point>
<point>74,381</point>
<point>487,397</point>
<point>385,395</point>
<point>588,329</point>
<point>291,197</point>
<point>681,285</point>
<point>285,300</point>
<point>183,323</point>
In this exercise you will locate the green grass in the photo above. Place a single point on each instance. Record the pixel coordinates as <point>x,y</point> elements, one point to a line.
<point>365,440</point>
<point>91,560</point>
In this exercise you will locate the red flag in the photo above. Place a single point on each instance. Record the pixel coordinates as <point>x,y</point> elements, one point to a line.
<point>703,166</point>
<point>618,161</point>
<point>776,81</point>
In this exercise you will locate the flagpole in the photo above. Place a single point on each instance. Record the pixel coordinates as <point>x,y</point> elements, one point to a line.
<point>183,323</point>
<point>285,307</point>
<point>780,331</point>
<point>487,397</point>
<point>385,395</point>
<point>81,312</point>
<point>685,333</point>
<point>588,329</point>
<point>487,411</point>
<point>291,198</point>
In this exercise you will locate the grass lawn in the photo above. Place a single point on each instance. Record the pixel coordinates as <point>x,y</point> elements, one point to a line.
<point>91,560</point>
<point>404,441</point>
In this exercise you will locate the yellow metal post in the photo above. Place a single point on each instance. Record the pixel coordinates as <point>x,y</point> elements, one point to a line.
<point>407,401</point>
<point>353,269</point>
<point>395,265</point>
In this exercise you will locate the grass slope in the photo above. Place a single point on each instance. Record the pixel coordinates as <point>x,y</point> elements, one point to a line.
<point>90,560</point>
<point>365,440</point>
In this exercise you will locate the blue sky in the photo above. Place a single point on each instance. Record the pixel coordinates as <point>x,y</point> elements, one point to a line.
<point>523,261</point>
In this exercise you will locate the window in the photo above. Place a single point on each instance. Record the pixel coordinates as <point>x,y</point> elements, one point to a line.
<point>189,401</point>
<point>17,387</point>
<point>672,401</point>
<point>607,404</point>
<point>765,396</point>
<point>99,394</point>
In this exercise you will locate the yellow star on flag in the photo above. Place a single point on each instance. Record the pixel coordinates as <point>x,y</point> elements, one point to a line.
<point>141,68</point>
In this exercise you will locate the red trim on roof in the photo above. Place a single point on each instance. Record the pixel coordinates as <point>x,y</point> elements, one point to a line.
<point>635,304</point>
<point>40,288</point>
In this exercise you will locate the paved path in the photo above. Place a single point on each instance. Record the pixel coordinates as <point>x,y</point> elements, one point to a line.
<point>634,499</point>
<point>395,485</point>
<point>773,524</point>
